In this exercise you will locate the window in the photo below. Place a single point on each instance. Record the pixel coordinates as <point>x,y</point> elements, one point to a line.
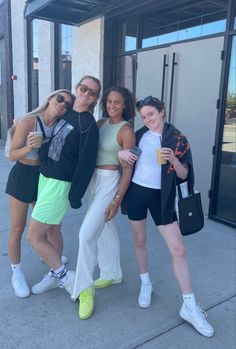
<point>63,44</point>
<point>226,199</point>
<point>33,68</point>
<point>125,71</point>
<point>159,27</point>
<point>127,36</point>
<point>182,24</point>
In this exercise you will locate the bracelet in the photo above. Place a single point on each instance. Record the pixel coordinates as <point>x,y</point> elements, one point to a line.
<point>114,202</point>
<point>117,196</point>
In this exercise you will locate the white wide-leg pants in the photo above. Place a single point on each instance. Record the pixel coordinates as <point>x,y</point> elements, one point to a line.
<point>98,240</point>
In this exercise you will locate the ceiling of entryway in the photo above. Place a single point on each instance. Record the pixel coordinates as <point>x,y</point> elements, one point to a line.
<point>76,12</point>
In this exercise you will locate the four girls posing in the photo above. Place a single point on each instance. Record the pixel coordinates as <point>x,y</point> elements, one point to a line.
<point>150,185</point>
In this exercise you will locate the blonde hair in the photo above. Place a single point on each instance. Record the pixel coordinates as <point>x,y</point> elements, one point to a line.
<point>43,106</point>
<point>85,77</point>
<point>97,81</point>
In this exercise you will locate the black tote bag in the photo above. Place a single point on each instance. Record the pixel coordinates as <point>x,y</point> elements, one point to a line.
<point>190,213</point>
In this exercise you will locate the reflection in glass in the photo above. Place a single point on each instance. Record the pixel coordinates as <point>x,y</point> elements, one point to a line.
<point>226,201</point>
<point>34,88</point>
<point>125,71</point>
<point>127,36</point>
<point>200,19</point>
<point>234,16</point>
<point>65,50</point>
<point>185,34</point>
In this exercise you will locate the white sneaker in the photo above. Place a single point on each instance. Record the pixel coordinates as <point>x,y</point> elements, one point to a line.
<point>145,295</point>
<point>20,285</point>
<point>64,259</point>
<point>48,281</point>
<point>197,318</point>
<point>68,283</point>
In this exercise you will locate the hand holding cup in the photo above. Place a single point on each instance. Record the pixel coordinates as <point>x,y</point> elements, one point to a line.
<point>34,139</point>
<point>160,157</point>
<point>166,154</point>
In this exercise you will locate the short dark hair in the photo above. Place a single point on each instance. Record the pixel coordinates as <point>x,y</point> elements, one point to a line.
<point>152,101</point>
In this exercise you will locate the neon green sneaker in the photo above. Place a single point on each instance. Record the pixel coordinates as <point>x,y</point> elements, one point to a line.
<point>102,283</point>
<point>86,305</point>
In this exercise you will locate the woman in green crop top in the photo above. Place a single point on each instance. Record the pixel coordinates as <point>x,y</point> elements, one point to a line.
<point>99,241</point>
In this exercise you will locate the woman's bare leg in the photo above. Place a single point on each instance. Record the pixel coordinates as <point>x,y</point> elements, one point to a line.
<point>173,238</point>
<point>18,211</point>
<point>54,236</point>
<point>37,236</point>
<point>139,234</point>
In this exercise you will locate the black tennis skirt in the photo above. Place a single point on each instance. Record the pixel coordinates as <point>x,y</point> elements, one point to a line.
<point>22,182</point>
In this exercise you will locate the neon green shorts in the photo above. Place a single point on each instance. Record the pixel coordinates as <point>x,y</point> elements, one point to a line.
<point>52,201</point>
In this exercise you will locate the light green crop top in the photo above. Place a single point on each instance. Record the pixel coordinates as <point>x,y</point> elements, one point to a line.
<point>108,146</point>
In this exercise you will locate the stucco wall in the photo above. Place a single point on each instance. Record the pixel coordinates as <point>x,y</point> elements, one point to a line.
<point>87,52</point>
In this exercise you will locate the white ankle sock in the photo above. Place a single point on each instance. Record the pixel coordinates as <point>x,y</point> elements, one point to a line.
<point>145,278</point>
<point>16,268</point>
<point>189,300</point>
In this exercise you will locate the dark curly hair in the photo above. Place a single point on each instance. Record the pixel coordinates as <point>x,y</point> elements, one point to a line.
<point>129,101</point>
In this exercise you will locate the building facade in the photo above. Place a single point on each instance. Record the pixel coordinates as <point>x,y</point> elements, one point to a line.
<point>183,52</point>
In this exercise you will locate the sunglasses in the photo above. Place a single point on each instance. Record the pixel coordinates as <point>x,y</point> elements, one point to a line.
<point>61,99</point>
<point>92,92</point>
<point>147,101</point>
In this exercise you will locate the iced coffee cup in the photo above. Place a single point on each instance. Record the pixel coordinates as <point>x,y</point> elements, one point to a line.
<point>38,136</point>
<point>160,159</point>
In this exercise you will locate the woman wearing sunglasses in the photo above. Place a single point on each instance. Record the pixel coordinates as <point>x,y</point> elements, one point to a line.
<point>99,240</point>
<point>153,188</point>
<point>65,173</point>
<point>22,184</point>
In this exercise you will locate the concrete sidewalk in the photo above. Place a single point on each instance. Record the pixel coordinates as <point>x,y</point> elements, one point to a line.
<point>50,320</point>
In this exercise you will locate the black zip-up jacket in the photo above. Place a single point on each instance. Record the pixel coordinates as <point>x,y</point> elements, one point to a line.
<point>174,139</point>
<point>72,152</point>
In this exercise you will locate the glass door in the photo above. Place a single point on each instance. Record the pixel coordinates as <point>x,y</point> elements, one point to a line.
<point>226,196</point>
<point>195,92</point>
<point>186,76</point>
